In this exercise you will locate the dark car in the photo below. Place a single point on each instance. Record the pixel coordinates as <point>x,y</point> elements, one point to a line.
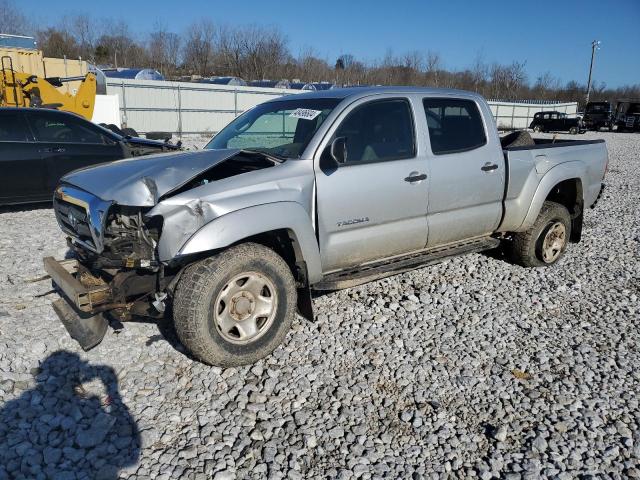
<point>628,115</point>
<point>38,146</point>
<point>598,115</point>
<point>556,122</point>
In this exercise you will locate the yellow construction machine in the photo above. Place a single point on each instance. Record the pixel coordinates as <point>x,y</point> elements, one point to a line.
<point>18,89</point>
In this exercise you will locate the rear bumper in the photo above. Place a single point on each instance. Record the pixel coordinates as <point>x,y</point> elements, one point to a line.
<point>82,303</point>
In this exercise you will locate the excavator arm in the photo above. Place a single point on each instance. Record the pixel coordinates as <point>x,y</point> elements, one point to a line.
<point>19,89</point>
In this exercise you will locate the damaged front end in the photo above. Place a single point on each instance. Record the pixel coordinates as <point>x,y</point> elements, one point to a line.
<point>114,266</point>
<point>120,262</point>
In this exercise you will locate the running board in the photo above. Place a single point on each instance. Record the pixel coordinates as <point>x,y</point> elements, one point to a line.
<point>386,268</point>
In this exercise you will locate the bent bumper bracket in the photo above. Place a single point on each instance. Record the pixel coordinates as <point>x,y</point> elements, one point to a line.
<point>77,309</point>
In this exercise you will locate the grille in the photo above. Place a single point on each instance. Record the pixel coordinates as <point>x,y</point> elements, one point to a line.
<point>74,220</point>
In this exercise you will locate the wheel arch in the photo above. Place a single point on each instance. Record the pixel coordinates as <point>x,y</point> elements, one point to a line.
<point>564,185</point>
<point>284,226</point>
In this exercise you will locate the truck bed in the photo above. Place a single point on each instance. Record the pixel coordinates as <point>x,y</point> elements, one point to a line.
<point>551,160</point>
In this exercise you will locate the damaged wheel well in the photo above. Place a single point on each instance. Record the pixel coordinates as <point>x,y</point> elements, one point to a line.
<point>569,194</point>
<point>284,243</point>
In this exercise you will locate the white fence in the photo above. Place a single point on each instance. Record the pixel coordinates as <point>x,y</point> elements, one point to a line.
<point>184,108</point>
<point>518,115</point>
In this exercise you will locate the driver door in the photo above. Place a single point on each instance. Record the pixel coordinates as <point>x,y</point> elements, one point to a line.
<point>374,205</point>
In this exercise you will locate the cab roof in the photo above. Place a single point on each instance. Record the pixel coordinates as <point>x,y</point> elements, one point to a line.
<point>359,92</point>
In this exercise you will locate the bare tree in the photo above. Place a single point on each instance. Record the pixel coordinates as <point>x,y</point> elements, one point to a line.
<point>507,80</point>
<point>12,21</point>
<point>546,86</point>
<point>164,50</point>
<point>118,47</point>
<point>252,52</point>
<point>311,68</point>
<point>199,47</point>
<point>433,67</point>
<point>479,74</point>
<point>83,29</point>
<point>57,43</point>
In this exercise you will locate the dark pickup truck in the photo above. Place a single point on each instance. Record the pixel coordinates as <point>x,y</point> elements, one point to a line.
<point>38,146</point>
<point>628,115</point>
<point>598,115</point>
<point>556,122</point>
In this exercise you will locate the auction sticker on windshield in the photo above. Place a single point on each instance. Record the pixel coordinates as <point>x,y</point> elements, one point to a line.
<point>305,113</point>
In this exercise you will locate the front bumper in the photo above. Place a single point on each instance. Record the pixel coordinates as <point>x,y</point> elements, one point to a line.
<point>84,299</point>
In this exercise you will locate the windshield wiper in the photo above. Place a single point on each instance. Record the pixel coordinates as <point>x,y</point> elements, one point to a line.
<point>271,156</point>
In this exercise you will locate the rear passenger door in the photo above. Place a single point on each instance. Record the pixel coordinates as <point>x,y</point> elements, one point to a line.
<point>22,169</point>
<point>67,142</point>
<point>467,172</point>
<point>374,205</point>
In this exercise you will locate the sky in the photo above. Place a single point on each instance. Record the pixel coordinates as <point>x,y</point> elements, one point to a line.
<point>551,36</point>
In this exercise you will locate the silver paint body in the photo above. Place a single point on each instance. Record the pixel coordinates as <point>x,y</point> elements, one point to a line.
<point>353,214</point>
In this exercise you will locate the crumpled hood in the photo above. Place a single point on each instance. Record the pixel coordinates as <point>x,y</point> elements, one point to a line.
<point>141,181</point>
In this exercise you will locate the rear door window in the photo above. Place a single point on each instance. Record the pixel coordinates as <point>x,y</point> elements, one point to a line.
<point>64,129</point>
<point>455,125</point>
<point>380,130</point>
<point>13,127</point>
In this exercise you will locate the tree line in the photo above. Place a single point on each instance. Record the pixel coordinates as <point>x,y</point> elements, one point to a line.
<point>256,52</point>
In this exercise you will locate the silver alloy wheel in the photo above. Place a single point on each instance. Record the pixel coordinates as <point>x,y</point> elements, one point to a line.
<point>245,308</point>
<point>554,242</point>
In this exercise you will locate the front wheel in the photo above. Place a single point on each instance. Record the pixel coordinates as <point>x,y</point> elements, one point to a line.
<point>236,307</point>
<point>546,241</point>
<point>573,130</point>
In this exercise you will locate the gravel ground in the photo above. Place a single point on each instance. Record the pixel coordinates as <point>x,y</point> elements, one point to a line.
<point>473,367</point>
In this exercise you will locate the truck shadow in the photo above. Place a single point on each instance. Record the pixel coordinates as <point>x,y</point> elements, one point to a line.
<point>72,424</point>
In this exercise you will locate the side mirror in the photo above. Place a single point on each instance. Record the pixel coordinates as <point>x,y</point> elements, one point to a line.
<point>338,150</point>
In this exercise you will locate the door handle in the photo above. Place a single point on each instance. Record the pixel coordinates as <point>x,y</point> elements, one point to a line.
<point>53,150</point>
<point>487,167</point>
<point>415,177</point>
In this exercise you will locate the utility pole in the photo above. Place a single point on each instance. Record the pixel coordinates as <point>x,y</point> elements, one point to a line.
<point>595,45</point>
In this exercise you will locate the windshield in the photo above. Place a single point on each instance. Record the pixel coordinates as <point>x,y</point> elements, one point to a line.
<point>281,128</point>
<point>598,108</point>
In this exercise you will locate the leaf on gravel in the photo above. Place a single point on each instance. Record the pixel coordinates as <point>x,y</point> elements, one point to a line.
<point>520,375</point>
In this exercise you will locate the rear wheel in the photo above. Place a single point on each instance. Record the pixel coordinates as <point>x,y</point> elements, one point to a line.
<point>235,307</point>
<point>546,241</point>
<point>573,130</point>
<point>538,129</point>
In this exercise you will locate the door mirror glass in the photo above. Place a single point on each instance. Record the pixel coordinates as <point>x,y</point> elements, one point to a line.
<point>338,150</point>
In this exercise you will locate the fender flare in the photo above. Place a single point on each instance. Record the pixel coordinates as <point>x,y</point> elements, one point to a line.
<point>564,171</point>
<point>240,224</point>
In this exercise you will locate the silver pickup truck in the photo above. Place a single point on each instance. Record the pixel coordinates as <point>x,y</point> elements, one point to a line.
<point>316,191</point>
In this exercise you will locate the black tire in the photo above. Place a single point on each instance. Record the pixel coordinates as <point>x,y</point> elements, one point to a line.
<point>573,130</point>
<point>526,248</point>
<point>163,136</point>
<point>129,132</point>
<point>197,299</point>
<point>538,129</point>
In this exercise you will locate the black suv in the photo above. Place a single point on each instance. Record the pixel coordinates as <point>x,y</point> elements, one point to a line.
<point>598,115</point>
<point>556,122</point>
<point>38,146</point>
